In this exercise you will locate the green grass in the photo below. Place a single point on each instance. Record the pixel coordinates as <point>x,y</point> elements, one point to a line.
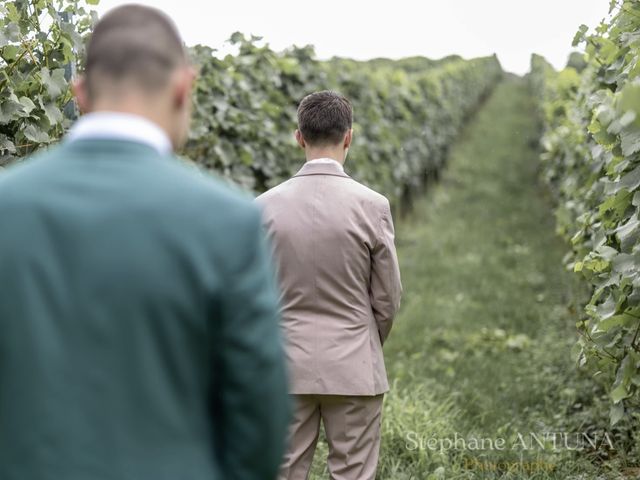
<point>482,345</point>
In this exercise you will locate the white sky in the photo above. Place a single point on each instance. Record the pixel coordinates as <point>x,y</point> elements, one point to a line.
<point>363,29</point>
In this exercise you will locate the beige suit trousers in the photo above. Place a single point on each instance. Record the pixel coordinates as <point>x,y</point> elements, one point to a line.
<point>352,427</point>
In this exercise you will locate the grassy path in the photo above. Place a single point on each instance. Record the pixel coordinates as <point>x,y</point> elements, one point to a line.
<point>485,324</point>
<point>481,349</point>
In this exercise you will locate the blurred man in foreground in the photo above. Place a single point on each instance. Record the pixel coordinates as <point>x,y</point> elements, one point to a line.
<point>138,312</point>
<point>340,281</point>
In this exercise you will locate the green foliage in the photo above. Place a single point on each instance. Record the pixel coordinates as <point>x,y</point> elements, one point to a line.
<point>407,112</point>
<point>40,42</point>
<point>244,111</point>
<point>591,160</point>
<point>576,61</point>
<point>405,117</point>
<point>409,64</point>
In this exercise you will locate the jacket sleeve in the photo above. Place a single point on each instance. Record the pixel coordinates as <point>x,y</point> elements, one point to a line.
<point>386,287</point>
<point>253,400</point>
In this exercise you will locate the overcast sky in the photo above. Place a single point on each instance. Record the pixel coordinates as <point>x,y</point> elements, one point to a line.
<point>364,29</point>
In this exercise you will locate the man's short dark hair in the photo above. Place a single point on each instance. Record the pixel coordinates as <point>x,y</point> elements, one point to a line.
<point>324,118</point>
<point>136,44</point>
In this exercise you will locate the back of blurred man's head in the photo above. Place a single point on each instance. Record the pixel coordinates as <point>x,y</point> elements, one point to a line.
<point>136,63</point>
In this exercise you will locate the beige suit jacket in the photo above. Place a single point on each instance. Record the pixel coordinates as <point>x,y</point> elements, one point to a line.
<point>333,240</point>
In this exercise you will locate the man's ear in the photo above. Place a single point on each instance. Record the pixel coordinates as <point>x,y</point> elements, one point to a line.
<point>183,86</point>
<point>348,138</point>
<point>80,91</point>
<point>300,140</point>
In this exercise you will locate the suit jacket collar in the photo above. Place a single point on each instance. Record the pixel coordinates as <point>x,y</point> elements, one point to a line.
<point>321,169</point>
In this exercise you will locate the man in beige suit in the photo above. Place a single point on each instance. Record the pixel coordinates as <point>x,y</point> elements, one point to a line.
<point>340,283</point>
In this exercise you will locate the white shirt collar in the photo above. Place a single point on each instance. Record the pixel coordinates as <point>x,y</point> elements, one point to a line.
<point>120,126</point>
<point>326,160</point>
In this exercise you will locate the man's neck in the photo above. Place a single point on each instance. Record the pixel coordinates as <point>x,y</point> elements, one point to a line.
<point>135,105</point>
<point>317,154</point>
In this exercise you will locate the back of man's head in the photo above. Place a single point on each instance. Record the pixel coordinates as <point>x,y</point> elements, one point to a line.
<point>324,118</point>
<point>133,47</point>
<point>137,64</point>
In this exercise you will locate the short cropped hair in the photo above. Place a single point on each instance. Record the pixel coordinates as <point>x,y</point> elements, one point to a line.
<point>133,43</point>
<point>324,118</point>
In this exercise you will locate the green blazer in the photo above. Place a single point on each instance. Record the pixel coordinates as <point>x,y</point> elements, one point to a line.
<point>139,334</point>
